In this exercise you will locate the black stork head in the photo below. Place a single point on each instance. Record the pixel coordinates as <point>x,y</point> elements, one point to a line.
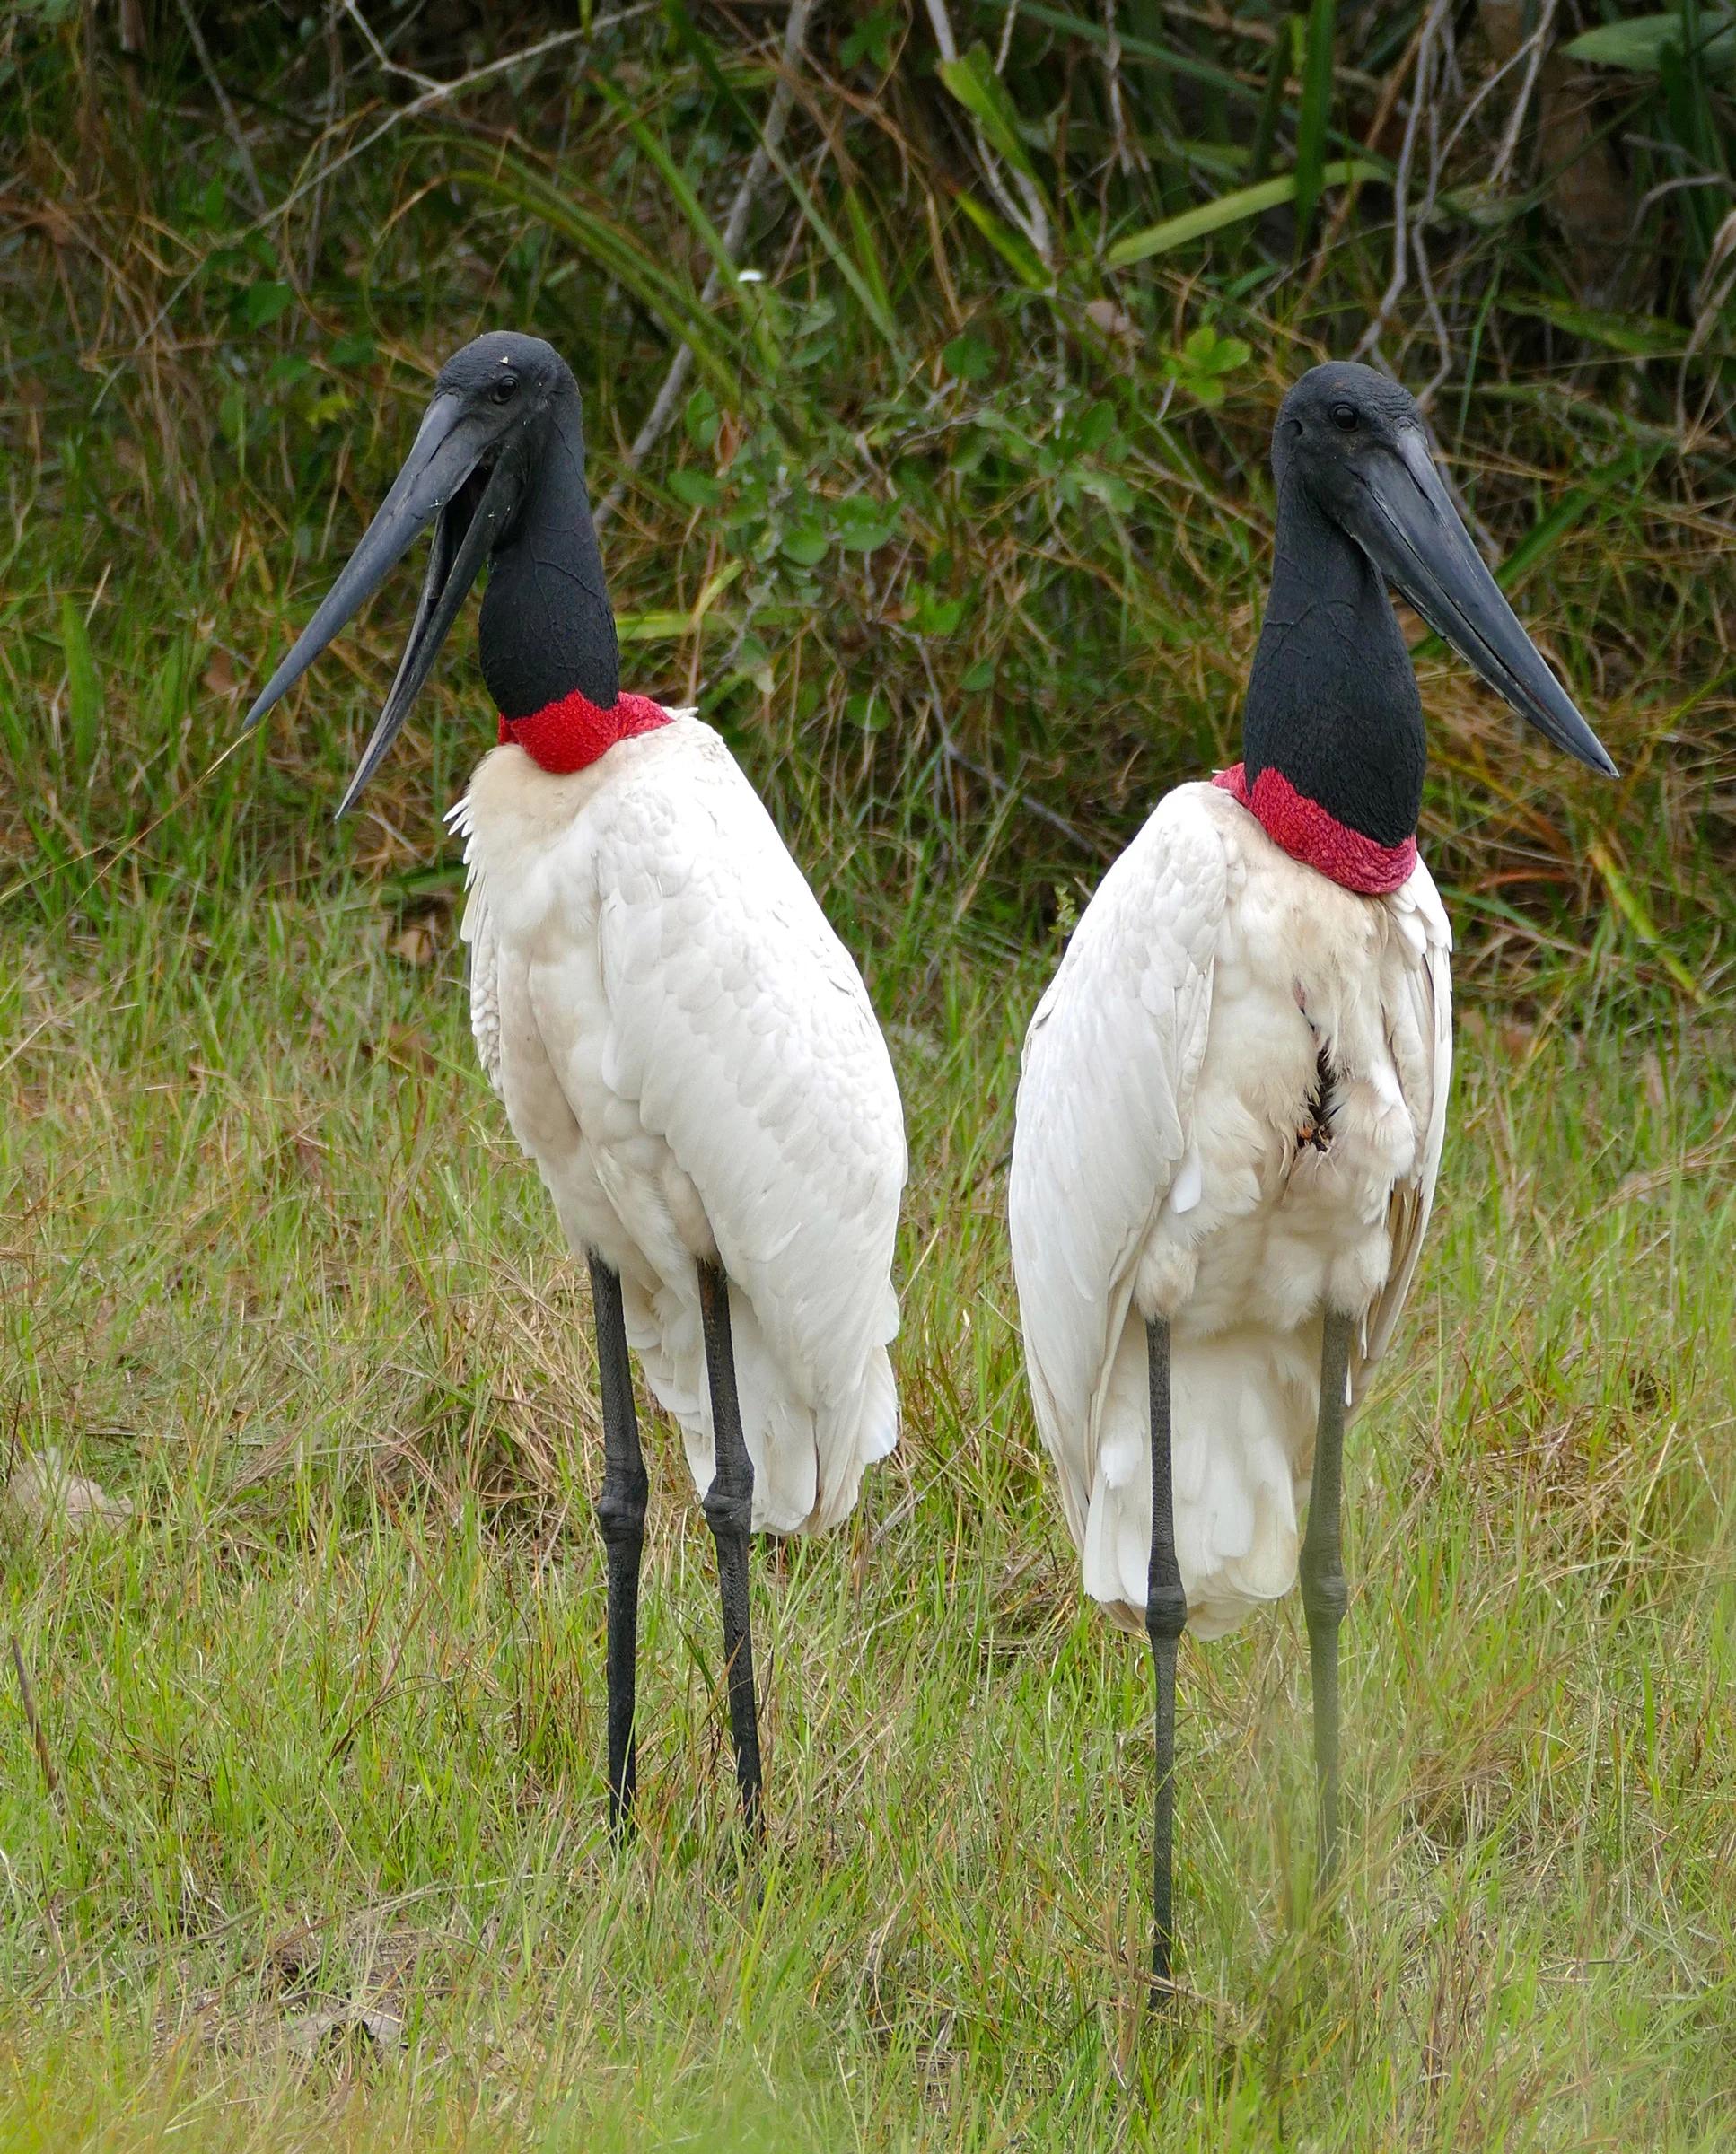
<point>497,467</point>
<point>1350,447</point>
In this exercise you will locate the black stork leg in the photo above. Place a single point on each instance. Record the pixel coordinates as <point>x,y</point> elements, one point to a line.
<point>621,1517</point>
<point>1166,1616</point>
<point>1324,1592</point>
<point>729,1512</point>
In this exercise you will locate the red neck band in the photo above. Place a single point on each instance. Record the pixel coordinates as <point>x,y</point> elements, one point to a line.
<point>568,734</point>
<point>1303,829</point>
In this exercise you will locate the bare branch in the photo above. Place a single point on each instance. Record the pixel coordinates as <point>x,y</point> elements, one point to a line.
<point>1420,98</point>
<point>1537,43</point>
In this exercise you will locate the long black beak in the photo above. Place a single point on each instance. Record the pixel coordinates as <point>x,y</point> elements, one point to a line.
<point>1403,518</point>
<point>448,448</point>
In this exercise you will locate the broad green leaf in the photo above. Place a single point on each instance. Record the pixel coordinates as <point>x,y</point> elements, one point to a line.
<point>1233,208</point>
<point>1638,44</point>
<point>969,357</point>
<point>868,538</point>
<point>1207,353</point>
<point>934,615</point>
<point>870,39</point>
<point>701,419</point>
<point>263,303</point>
<point>806,546</point>
<point>1096,426</point>
<point>696,489</point>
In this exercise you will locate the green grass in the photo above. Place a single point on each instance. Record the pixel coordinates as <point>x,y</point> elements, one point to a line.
<point>950,542</point>
<point>325,1711</point>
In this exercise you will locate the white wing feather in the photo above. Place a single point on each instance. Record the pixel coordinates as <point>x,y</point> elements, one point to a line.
<point>1093,1163</point>
<point>476,931</point>
<point>742,1029</point>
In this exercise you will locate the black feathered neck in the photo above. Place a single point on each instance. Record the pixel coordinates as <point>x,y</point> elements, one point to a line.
<point>546,628</point>
<point>1332,702</point>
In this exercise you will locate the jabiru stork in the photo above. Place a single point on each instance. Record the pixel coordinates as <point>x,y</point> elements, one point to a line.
<point>1234,1093</point>
<point>684,1047</point>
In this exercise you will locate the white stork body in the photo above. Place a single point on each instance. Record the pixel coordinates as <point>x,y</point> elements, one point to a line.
<point>683,1045</point>
<point>687,1052</point>
<point>1234,1092</point>
<point>1159,1169</point>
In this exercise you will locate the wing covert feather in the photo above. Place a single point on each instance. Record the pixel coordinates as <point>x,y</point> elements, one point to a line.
<point>740,1024</point>
<point>1104,1126</point>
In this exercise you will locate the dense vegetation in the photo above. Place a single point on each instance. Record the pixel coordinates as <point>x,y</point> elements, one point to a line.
<point>930,353</point>
<point>961,516</point>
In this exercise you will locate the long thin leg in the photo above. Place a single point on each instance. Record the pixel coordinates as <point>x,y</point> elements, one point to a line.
<point>621,1517</point>
<point>1324,1592</point>
<point>1166,1616</point>
<point>729,1512</point>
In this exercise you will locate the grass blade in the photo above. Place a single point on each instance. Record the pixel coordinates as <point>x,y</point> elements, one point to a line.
<point>974,82</point>
<point>83,689</point>
<point>1617,479</point>
<point>1233,208</point>
<point>694,210</point>
<point>1012,247</point>
<point>1315,115</point>
<point>1629,904</point>
<point>878,313</point>
<point>1265,127</point>
<point>672,301</point>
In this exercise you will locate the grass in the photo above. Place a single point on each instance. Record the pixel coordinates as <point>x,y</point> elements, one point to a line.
<point>959,536</point>
<point>325,1711</point>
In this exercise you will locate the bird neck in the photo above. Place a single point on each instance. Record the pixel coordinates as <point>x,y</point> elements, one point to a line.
<point>1333,752</point>
<point>547,635</point>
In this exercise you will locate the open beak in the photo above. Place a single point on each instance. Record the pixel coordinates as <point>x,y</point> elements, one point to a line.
<point>1403,518</point>
<point>442,479</point>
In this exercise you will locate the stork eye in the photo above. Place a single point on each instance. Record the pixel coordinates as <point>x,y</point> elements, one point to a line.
<point>1344,417</point>
<point>505,388</point>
